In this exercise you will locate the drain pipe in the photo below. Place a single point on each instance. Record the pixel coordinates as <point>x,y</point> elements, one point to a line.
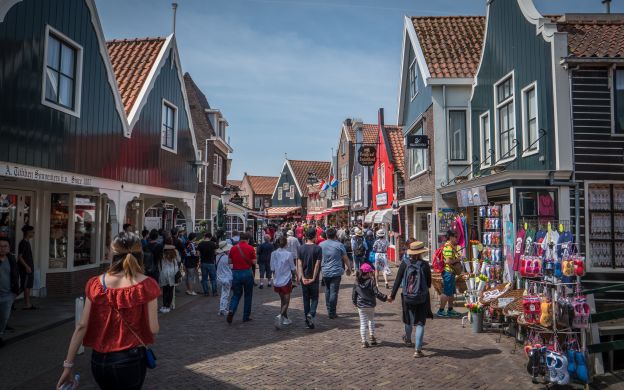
<point>577,202</point>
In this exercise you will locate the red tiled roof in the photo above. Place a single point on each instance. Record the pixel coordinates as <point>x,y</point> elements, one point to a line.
<point>301,168</point>
<point>235,183</point>
<point>451,44</point>
<point>263,185</point>
<point>369,133</point>
<point>132,60</point>
<point>594,35</point>
<point>395,136</point>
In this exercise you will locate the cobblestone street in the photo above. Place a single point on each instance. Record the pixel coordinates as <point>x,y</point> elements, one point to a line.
<point>196,349</point>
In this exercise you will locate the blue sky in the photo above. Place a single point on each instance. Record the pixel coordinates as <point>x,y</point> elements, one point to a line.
<point>286,73</point>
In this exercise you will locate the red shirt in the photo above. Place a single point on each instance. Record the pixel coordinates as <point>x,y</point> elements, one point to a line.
<point>106,332</point>
<point>238,262</point>
<point>299,232</point>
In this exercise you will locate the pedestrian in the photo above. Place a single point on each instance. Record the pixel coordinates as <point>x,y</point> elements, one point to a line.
<point>452,257</point>
<point>364,296</point>
<point>127,227</point>
<point>333,266</point>
<point>309,257</point>
<point>242,256</point>
<point>168,270</point>
<point>283,267</point>
<point>191,264</point>
<point>120,317</point>
<point>206,249</point>
<point>224,276</point>
<point>264,260</point>
<point>144,238</point>
<point>323,237</point>
<point>292,244</point>
<point>299,232</point>
<point>9,283</point>
<point>359,248</point>
<point>235,237</point>
<point>26,265</point>
<point>414,278</point>
<point>381,256</point>
<point>152,256</point>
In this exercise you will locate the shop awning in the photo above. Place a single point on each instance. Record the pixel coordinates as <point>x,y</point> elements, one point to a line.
<point>383,216</point>
<point>281,211</point>
<point>370,216</point>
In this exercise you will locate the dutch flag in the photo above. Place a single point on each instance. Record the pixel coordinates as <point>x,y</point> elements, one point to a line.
<point>323,185</point>
<point>333,181</point>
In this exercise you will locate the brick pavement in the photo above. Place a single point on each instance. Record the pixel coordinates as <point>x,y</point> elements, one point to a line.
<point>197,349</point>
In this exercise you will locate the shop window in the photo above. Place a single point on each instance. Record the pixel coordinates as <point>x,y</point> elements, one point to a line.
<point>169,125</point>
<point>234,223</point>
<point>457,136</point>
<point>619,101</point>
<point>85,237</point>
<point>505,119</point>
<point>605,209</point>
<point>63,68</point>
<point>59,230</point>
<point>537,205</point>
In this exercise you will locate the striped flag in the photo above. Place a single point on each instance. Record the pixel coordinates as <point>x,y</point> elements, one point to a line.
<point>333,181</point>
<point>323,185</point>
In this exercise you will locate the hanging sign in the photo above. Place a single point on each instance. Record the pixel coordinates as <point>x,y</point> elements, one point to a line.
<point>382,198</point>
<point>417,141</point>
<point>476,196</point>
<point>367,156</point>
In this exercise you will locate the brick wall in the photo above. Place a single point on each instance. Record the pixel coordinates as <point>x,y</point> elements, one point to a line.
<point>423,185</point>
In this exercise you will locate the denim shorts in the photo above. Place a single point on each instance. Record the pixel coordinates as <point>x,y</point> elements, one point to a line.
<point>449,283</point>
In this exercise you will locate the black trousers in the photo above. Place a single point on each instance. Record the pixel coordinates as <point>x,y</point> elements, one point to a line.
<point>119,370</point>
<point>168,295</point>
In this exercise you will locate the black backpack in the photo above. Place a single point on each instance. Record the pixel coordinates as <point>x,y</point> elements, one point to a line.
<point>359,250</point>
<point>414,284</point>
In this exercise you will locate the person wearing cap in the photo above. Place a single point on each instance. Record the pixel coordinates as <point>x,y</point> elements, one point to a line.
<point>224,275</point>
<point>414,315</point>
<point>380,247</point>
<point>359,248</point>
<point>364,296</point>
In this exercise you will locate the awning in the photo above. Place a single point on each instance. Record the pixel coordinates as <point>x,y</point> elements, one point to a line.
<point>383,216</point>
<point>369,217</point>
<point>281,211</point>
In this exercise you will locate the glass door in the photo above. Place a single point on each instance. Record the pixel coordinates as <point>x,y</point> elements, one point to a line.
<point>15,212</point>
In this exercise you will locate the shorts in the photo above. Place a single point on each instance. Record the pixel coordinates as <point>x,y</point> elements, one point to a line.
<point>287,289</point>
<point>265,271</point>
<point>26,280</point>
<point>381,261</point>
<point>448,279</point>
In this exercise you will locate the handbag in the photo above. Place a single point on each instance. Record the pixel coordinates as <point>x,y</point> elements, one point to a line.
<point>150,356</point>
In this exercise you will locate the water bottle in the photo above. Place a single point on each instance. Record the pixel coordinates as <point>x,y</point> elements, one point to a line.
<point>72,386</point>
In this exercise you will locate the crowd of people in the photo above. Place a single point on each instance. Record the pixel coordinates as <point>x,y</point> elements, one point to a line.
<point>120,316</point>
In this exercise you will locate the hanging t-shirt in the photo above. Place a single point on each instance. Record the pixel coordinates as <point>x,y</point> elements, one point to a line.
<point>565,238</point>
<point>528,242</point>
<point>461,238</point>
<point>518,249</point>
<point>550,251</point>
<point>538,240</point>
<point>546,206</point>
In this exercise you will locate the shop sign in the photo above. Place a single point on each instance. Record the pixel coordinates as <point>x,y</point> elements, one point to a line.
<point>367,156</point>
<point>382,198</point>
<point>43,175</point>
<point>340,203</point>
<point>152,223</point>
<point>417,141</point>
<point>312,179</point>
<point>469,197</point>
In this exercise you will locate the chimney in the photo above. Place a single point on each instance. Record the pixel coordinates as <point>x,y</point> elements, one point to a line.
<point>348,122</point>
<point>174,7</point>
<point>607,4</point>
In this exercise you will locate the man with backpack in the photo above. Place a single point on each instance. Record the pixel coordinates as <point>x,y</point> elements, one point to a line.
<point>359,248</point>
<point>414,277</point>
<point>450,266</point>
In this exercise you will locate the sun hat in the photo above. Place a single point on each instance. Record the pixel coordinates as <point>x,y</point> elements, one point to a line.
<point>366,268</point>
<point>224,247</point>
<point>289,233</point>
<point>416,248</point>
<point>381,233</point>
<point>359,232</point>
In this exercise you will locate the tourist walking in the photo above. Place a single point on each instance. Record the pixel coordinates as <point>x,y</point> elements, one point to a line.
<point>452,258</point>
<point>292,244</point>
<point>380,247</point>
<point>359,248</point>
<point>264,260</point>
<point>9,283</point>
<point>242,256</point>
<point>120,317</point>
<point>283,267</point>
<point>152,255</point>
<point>414,278</point>
<point>224,275</point>
<point>309,257</point>
<point>206,249</point>
<point>333,266</point>
<point>191,264</point>
<point>26,265</point>
<point>364,296</point>
<point>168,270</point>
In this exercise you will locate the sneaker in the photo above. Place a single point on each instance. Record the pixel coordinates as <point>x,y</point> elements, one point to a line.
<point>452,313</point>
<point>248,320</point>
<point>261,287</point>
<point>286,321</point>
<point>441,313</point>
<point>278,321</point>
<point>365,344</point>
<point>162,309</point>
<point>309,322</point>
<point>193,293</point>
<point>418,354</point>
<point>373,340</point>
<point>167,310</point>
<point>407,342</point>
<point>229,317</point>
<point>333,316</point>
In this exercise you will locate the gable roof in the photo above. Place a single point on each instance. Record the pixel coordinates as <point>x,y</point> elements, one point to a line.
<point>451,45</point>
<point>262,185</point>
<point>236,183</point>
<point>370,132</point>
<point>300,169</point>
<point>396,141</point>
<point>198,104</point>
<point>593,35</point>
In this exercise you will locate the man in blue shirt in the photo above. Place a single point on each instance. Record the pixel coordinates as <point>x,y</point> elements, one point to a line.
<point>333,265</point>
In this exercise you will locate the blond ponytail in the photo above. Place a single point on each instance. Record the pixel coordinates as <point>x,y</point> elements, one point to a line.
<point>131,266</point>
<point>127,255</point>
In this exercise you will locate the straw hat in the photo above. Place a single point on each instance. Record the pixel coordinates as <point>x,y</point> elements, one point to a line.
<point>416,248</point>
<point>381,233</point>
<point>359,232</point>
<point>224,247</point>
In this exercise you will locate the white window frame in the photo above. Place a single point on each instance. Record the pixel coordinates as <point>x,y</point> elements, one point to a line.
<point>164,103</point>
<point>412,79</point>
<point>525,121</point>
<point>484,153</point>
<point>416,129</point>
<point>379,178</point>
<point>448,135</point>
<point>279,194</point>
<point>217,170</point>
<point>497,105</point>
<point>383,176</point>
<point>78,71</point>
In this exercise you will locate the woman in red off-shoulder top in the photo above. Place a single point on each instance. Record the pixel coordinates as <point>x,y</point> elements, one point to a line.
<point>119,319</point>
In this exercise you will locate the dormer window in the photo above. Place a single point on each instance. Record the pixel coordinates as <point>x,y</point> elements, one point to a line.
<point>221,129</point>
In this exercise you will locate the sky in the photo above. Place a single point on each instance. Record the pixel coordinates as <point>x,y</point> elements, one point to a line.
<point>286,73</point>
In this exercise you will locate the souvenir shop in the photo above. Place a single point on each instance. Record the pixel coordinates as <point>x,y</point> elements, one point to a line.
<point>521,274</point>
